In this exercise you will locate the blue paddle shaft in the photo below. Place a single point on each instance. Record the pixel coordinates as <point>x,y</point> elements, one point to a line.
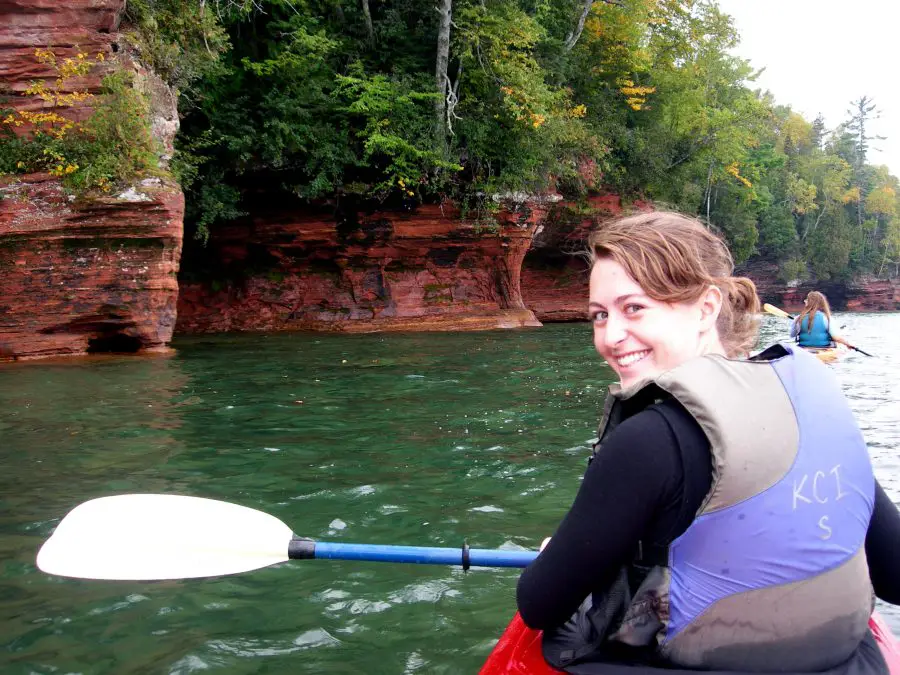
<point>423,555</point>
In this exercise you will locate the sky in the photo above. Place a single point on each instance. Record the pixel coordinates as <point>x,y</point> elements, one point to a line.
<point>819,55</point>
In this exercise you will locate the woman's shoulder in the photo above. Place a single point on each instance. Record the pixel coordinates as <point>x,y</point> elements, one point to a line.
<point>683,425</point>
<point>664,424</point>
<point>661,450</point>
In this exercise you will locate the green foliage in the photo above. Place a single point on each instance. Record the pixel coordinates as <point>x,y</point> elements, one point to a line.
<point>16,152</point>
<point>777,232</point>
<point>320,99</point>
<point>792,269</point>
<point>181,40</point>
<point>214,202</point>
<point>116,144</point>
<point>518,130</point>
<point>736,217</point>
<point>392,126</point>
<point>113,145</point>
<point>828,253</point>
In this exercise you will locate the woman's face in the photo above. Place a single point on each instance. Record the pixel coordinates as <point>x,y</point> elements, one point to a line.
<point>640,337</point>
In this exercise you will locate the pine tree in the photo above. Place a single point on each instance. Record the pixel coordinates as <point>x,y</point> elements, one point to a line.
<point>861,114</point>
<point>818,131</point>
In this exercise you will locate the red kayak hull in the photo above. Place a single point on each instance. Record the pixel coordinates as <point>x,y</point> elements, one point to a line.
<point>519,650</point>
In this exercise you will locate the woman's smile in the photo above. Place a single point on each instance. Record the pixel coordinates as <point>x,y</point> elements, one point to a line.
<point>640,337</point>
<point>632,358</point>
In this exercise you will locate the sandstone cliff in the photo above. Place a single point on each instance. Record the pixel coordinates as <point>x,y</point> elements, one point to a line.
<point>82,275</point>
<point>859,295</point>
<point>556,270</point>
<point>87,277</point>
<point>347,269</point>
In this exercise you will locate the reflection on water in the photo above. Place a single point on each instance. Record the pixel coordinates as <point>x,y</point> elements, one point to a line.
<point>427,439</point>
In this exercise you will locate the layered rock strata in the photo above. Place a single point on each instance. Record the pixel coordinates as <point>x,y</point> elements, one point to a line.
<point>556,269</point>
<point>67,28</point>
<point>83,275</point>
<point>349,270</point>
<point>866,294</point>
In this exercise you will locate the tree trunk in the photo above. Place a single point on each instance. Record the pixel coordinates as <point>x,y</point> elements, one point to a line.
<point>370,30</point>
<point>883,261</point>
<point>572,38</point>
<point>444,9</point>
<point>815,224</point>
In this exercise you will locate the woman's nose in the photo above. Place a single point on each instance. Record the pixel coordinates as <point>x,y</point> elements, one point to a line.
<point>615,332</point>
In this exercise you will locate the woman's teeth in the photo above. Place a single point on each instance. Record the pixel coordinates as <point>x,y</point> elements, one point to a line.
<point>634,357</point>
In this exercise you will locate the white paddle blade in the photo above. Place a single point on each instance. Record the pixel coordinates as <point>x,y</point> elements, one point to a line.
<point>776,311</point>
<point>147,537</point>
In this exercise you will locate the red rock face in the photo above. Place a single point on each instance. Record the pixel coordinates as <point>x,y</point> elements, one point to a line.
<point>79,276</point>
<point>92,277</point>
<point>873,295</point>
<point>419,270</point>
<point>67,27</point>
<point>866,294</point>
<point>557,293</point>
<point>556,272</point>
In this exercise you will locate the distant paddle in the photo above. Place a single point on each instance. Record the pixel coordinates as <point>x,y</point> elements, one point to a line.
<point>146,537</point>
<point>777,311</point>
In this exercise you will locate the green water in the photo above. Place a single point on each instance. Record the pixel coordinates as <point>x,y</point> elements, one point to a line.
<point>421,439</point>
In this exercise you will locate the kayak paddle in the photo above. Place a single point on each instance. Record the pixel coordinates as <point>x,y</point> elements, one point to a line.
<point>777,311</point>
<point>145,537</point>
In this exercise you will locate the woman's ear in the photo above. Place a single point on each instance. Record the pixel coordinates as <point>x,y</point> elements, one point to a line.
<point>710,305</point>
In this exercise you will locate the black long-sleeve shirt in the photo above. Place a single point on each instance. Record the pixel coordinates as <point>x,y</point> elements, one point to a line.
<point>647,485</point>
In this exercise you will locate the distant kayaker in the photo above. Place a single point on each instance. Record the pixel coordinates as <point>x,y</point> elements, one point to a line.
<point>729,519</point>
<point>812,327</point>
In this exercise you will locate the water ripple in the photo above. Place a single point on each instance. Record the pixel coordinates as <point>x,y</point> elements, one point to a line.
<point>486,443</point>
<point>252,648</point>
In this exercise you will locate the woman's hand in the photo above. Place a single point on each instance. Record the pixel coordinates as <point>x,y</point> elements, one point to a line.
<point>840,340</point>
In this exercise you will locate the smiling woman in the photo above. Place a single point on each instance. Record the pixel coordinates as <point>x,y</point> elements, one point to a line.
<point>661,292</point>
<point>705,557</point>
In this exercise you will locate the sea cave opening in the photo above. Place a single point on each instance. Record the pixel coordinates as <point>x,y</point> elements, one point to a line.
<point>114,343</point>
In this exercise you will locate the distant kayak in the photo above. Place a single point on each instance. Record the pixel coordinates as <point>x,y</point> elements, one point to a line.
<point>518,652</point>
<point>827,354</point>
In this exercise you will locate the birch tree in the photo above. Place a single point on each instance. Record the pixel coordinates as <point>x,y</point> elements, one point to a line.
<point>572,37</point>
<point>367,16</point>
<point>441,79</point>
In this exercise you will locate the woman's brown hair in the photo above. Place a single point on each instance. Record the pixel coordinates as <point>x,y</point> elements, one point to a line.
<point>674,258</point>
<point>815,302</point>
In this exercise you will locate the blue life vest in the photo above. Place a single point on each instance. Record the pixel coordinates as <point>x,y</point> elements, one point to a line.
<point>818,336</point>
<point>771,575</point>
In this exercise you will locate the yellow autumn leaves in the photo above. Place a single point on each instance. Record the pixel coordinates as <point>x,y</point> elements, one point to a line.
<point>523,108</point>
<point>635,95</point>
<point>58,95</point>
<point>733,170</point>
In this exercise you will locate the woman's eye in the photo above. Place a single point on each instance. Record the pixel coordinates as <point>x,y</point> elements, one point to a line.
<point>599,316</point>
<point>632,309</point>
